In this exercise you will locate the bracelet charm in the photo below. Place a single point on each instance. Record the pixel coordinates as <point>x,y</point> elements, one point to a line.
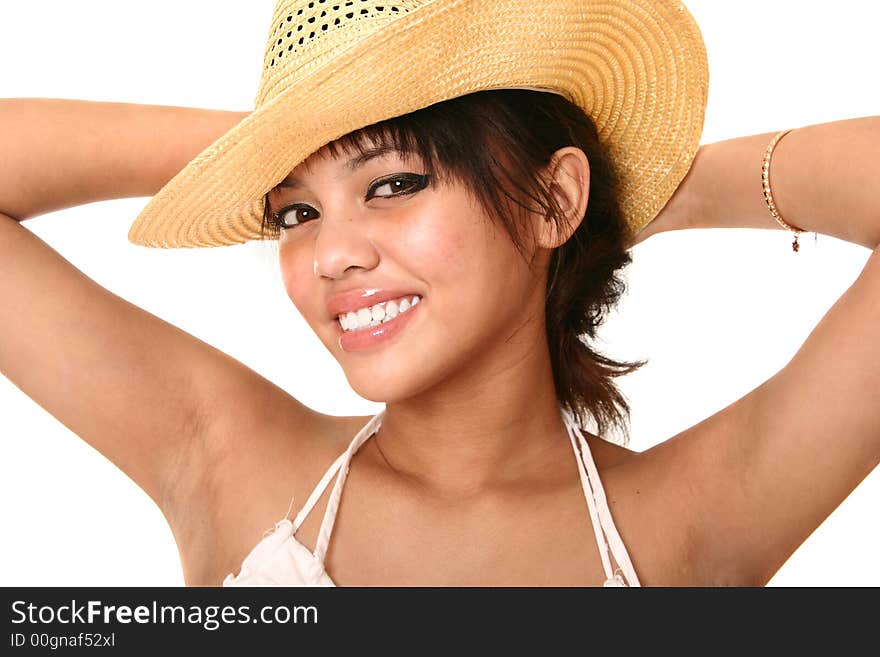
<point>768,195</point>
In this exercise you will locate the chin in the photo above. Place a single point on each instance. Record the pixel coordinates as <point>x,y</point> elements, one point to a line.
<point>379,393</point>
<point>391,387</point>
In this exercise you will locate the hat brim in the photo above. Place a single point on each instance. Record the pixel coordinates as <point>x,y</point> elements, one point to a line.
<point>639,69</point>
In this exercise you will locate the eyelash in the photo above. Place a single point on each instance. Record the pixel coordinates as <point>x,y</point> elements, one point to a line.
<point>418,182</point>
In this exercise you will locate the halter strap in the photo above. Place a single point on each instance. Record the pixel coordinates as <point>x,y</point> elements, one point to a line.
<point>316,493</point>
<point>341,464</point>
<point>603,524</point>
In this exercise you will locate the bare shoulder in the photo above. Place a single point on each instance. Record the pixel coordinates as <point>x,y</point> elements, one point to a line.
<point>660,500</point>
<point>728,500</point>
<point>253,468</point>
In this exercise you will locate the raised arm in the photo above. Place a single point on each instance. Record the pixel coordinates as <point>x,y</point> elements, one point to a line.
<point>58,153</point>
<point>826,179</point>
<point>136,388</point>
<point>758,477</point>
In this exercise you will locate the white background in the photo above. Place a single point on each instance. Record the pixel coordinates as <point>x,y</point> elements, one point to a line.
<point>716,311</point>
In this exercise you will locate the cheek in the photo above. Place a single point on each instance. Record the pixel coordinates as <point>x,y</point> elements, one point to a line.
<point>296,264</point>
<point>471,253</point>
<point>476,279</point>
<point>450,243</point>
<point>439,250</point>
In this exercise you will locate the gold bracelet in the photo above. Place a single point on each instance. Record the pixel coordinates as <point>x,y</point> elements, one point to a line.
<point>768,196</point>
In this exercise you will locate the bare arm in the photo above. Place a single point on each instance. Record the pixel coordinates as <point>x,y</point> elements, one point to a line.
<point>58,153</point>
<point>136,388</point>
<point>758,477</point>
<point>825,178</point>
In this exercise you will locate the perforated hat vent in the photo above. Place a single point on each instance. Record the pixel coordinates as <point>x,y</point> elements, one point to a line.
<point>319,19</point>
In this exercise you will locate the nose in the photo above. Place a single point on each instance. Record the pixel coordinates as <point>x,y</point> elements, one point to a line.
<point>341,245</point>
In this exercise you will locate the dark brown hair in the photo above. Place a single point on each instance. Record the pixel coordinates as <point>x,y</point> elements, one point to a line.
<point>498,143</point>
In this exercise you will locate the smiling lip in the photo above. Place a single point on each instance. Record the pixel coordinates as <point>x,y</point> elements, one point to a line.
<point>354,300</point>
<point>369,337</point>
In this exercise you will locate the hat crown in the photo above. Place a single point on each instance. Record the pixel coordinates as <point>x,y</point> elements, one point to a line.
<point>304,32</point>
<point>638,68</point>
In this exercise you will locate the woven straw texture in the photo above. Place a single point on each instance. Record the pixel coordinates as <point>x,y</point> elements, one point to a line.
<point>637,67</point>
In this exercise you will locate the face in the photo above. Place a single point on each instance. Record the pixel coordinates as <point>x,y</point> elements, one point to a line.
<point>359,227</point>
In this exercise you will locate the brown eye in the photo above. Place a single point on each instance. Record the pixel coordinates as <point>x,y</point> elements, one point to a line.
<point>295,215</point>
<point>398,185</point>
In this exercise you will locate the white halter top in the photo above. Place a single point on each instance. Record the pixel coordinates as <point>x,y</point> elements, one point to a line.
<point>281,560</point>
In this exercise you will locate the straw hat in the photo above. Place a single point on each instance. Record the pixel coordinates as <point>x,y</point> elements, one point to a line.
<point>637,67</point>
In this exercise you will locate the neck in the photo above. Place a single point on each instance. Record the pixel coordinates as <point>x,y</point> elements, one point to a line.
<point>497,424</point>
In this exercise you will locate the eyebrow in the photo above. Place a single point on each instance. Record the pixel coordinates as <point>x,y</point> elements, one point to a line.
<point>352,165</point>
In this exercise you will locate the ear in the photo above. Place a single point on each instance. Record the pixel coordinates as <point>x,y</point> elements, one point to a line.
<point>568,177</point>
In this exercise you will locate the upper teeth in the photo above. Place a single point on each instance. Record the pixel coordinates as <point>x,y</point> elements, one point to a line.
<point>375,315</point>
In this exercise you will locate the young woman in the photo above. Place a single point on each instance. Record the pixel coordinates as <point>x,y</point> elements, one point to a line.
<point>493,227</point>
